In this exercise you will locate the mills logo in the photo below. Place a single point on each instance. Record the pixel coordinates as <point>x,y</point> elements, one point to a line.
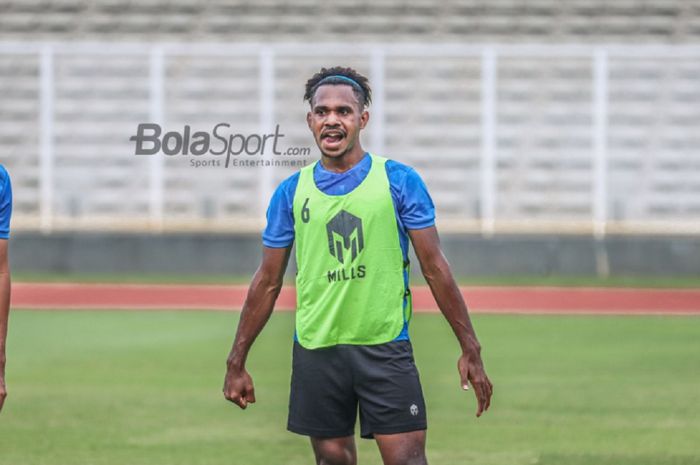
<point>345,237</point>
<point>345,232</point>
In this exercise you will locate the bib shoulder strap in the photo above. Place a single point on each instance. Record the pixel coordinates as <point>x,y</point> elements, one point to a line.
<point>307,173</point>
<point>379,160</point>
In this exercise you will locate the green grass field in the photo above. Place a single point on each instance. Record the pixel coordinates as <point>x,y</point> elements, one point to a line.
<point>145,388</point>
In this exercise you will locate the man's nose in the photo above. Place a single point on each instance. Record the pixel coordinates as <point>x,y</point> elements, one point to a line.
<point>331,119</point>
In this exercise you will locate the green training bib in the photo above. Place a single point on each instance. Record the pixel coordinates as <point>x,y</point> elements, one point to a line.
<point>350,285</point>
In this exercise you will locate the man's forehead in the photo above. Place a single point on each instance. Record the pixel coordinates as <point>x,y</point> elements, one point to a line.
<point>334,95</point>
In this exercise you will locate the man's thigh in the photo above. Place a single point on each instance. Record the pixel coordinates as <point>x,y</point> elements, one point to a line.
<point>388,389</point>
<point>322,402</point>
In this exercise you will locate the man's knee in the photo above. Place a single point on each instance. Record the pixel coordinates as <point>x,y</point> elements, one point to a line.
<point>417,459</point>
<point>403,448</point>
<point>409,457</point>
<point>340,451</point>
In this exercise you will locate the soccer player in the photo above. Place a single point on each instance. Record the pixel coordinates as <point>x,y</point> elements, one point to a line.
<point>5,213</point>
<point>352,214</point>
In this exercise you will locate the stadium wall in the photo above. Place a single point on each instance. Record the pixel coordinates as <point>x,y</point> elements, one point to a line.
<point>469,255</point>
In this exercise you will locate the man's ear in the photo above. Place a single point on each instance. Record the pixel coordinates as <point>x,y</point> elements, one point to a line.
<point>308,119</point>
<point>364,119</point>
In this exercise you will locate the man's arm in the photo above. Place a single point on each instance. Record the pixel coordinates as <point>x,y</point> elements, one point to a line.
<point>262,294</point>
<point>4,313</point>
<point>448,297</point>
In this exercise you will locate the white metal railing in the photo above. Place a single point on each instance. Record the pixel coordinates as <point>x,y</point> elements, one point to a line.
<point>489,56</point>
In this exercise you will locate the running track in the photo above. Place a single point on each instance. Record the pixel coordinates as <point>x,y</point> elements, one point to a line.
<point>542,300</point>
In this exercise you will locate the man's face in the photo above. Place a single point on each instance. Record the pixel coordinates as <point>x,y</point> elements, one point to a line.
<point>336,119</point>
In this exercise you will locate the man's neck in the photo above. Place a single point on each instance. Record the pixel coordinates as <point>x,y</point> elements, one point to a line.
<point>343,163</point>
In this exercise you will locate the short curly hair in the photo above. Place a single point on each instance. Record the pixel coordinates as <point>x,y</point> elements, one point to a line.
<point>340,75</point>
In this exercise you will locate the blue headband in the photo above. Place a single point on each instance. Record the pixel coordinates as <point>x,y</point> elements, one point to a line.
<point>350,81</point>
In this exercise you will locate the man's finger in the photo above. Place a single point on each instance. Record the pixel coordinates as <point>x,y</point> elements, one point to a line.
<point>487,391</point>
<point>488,397</point>
<point>250,397</point>
<point>463,376</point>
<point>490,394</point>
<point>231,396</point>
<point>480,397</point>
<point>480,407</point>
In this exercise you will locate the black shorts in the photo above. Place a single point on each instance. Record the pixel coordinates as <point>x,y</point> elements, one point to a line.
<point>328,385</point>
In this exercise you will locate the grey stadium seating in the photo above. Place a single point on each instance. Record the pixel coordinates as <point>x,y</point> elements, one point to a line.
<point>429,112</point>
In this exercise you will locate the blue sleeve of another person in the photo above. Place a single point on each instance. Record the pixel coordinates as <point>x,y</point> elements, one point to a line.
<point>279,232</point>
<point>5,203</point>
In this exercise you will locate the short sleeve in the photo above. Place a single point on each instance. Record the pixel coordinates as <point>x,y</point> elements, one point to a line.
<point>5,204</point>
<point>279,232</point>
<point>415,206</point>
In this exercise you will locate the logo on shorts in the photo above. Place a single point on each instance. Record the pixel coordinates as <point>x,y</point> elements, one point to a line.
<point>345,236</point>
<point>414,410</point>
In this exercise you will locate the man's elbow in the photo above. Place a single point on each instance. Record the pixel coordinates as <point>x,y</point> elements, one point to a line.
<point>275,287</point>
<point>270,282</point>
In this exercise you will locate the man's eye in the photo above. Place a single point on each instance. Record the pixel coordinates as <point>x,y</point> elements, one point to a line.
<point>344,111</point>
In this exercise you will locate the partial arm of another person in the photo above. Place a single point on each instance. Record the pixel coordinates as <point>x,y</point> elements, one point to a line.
<point>437,273</point>
<point>4,313</point>
<point>258,306</point>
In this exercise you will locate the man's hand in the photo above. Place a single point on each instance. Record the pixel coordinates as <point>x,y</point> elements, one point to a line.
<point>238,387</point>
<point>471,369</point>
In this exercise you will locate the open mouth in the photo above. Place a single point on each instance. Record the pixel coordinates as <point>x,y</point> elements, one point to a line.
<point>332,138</point>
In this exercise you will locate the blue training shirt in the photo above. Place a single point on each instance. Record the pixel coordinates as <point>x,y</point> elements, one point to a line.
<point>5,203</point>
<point>413,206</point>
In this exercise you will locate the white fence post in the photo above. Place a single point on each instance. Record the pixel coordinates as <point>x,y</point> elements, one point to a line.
<point>489,77</point>
<point>600,142</point>
<point>46,151</point>
<point>378,63</point>
<point>156,112</point>
<point>267,120</point>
